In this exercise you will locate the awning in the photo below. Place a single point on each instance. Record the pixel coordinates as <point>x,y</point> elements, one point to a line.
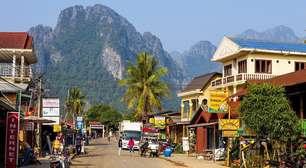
<point>202,124</point>
<point>37,119</point>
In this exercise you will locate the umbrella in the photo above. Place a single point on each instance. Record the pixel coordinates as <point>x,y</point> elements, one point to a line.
<point>37,119</point>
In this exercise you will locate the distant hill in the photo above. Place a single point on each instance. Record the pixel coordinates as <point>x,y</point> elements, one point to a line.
<point>279,33</point>
<point>90,48</point>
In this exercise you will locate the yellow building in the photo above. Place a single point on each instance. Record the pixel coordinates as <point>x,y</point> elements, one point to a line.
<point>195,94</point>
<point>245,59</point>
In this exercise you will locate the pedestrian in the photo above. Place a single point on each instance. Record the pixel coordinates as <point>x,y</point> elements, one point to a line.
<point>131,144</point>
<point>78,144</point>
<point>119,146</point>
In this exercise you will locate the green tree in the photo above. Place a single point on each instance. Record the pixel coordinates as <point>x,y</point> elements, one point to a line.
<point>106,114</point>
<point>75,102</point>
<point>145,89</point>
<point>267,111</point>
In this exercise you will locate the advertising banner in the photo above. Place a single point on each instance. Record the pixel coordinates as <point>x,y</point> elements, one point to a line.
<point>11,143</point>
<point>159,121</point>
<point>218,102</point>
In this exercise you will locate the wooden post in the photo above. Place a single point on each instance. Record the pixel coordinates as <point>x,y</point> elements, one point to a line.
<point>302,106</point>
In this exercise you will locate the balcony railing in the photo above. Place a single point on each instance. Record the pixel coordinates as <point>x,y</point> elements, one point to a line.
<point>240,78</point>
<point>10,71</point>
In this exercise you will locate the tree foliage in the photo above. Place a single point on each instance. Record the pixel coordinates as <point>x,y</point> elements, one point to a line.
<point>75,102</point>
<point>267,111</point>
<point>145,89</point>
<point>106,114</point>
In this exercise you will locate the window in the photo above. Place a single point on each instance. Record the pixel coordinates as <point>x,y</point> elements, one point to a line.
<point>186,109</point>
<point>263,66</point>
<point>299,66</point>
<point>242,66</point>
<point>228,70</point>
<point>195,104</point>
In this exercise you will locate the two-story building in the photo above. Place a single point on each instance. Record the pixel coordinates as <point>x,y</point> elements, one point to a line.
<point>245,59</point>
<point>16,57</point>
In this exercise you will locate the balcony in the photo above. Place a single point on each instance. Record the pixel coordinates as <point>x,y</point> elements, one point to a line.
<point>16,73</point>
<point>239,79</point>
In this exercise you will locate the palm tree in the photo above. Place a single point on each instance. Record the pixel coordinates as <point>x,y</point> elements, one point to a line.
<point>75,102</point>
<point>144,86</point>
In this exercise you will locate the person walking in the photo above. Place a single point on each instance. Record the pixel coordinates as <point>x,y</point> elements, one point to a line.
<point>119,146</point>
<point>131,145</point>
<point>78,144</point>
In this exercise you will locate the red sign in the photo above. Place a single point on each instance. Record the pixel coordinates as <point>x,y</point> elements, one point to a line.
<point>11,147</point>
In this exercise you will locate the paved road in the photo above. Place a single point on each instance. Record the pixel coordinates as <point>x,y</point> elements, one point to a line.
<point>104,155</point>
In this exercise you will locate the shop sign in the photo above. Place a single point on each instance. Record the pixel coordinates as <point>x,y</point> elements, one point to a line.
<point>218,103</point>
<point>229,134</point>
<point>79,118</point>
<point>11,147</point>
<point>79,124</point>
<point>185,144</point>
<point>229,124</point>
<point>159,121</point>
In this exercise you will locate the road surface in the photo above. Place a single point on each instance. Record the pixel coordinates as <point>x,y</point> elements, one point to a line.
<point>103,155</point>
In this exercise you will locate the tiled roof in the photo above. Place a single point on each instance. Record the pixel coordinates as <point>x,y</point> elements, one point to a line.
<point>15,40</point>
<point>200,81</point>
<point>267,45</point>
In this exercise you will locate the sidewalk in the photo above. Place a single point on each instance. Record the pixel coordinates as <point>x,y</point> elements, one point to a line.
<point>182,160</point>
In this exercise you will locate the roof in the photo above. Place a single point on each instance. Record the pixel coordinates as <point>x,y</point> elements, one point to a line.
<point>200,81</point>
<point>15,40</point>
<point>269,45</point>
<point>231,47</point>
<point>8,87</point>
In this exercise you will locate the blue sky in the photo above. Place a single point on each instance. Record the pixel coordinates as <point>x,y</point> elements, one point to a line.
<point>178,23</point>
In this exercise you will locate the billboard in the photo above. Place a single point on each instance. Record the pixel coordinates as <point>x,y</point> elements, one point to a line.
<point>51,110</point>
<point>159,121</point>
<point>218,103</point>
<point>11,142</point>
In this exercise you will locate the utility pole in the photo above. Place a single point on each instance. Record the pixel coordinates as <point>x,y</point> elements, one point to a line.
<point>39,109</point>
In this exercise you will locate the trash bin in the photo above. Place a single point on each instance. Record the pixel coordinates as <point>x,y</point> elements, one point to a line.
<point>167,152</point>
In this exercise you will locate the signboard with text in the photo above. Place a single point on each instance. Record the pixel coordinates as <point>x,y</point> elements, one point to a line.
<point>218,103</point>
<point>159,121</point>
<point>51,102</point>
<point>11,143</point>
<point>229,124</point>
<point>51,110</point>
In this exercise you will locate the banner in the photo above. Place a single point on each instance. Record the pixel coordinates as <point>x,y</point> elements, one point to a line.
<point>159,121</point>
<point>11,143</point>
<point>218,102</point>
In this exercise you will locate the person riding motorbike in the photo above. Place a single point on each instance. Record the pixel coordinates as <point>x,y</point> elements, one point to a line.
<point>144,147</point>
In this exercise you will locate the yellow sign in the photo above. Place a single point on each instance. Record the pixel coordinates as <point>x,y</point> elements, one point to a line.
<point>229,133</point>
<point>160,121</point>
<point>229,124</point>
<point>57,128</point>
<point>218,102</point>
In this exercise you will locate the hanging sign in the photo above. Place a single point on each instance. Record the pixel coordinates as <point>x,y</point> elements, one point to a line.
<point>11,143</point>
<point>218,103</point>
<point>229,124</point>
<point>57,128</point>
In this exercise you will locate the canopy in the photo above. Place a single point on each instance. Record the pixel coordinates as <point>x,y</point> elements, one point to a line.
<point>37,119</point>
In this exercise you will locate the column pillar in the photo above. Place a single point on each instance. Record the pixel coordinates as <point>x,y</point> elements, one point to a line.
<point>182,110</point>
<point>14,66</point>
<point>22,67</point>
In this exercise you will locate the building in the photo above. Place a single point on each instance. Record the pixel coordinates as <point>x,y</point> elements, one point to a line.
<point>16,57</point>
<point>245,59</point>
<point>194,98</point>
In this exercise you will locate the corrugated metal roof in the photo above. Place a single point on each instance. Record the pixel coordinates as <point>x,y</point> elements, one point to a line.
<point>200,81</point>
<point>267,45</point>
